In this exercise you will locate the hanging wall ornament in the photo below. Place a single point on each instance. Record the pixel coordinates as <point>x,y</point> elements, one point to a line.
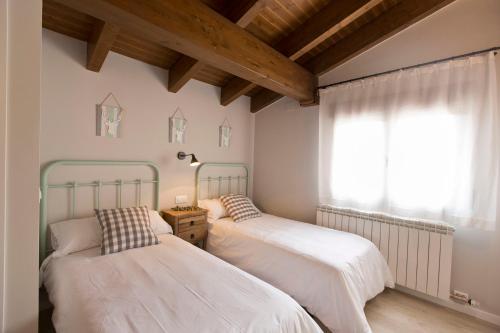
<point>177,127</point>
<point>108,118</point>
<point>225,134</point>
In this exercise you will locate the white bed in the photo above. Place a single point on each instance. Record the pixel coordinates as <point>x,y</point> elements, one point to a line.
<point>331,273</point>
<point>170,287</point>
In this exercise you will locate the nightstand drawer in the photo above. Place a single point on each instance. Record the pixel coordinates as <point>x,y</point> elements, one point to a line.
<point>194,234</point>
<point>190,225</point>
<point>193,220</point>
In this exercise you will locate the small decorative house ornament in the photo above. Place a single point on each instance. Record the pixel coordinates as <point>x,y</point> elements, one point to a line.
<point>177,127</point>
<point>108,118</point>
<point>225,134</point>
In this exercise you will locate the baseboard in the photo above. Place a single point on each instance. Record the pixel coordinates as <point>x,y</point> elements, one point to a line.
<point>467,309</point>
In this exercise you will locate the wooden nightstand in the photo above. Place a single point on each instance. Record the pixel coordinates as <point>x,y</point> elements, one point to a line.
<point>192,225</point>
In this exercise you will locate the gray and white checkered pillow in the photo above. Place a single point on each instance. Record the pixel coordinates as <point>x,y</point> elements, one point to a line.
<point>125,228</point>
<point>239,207</point>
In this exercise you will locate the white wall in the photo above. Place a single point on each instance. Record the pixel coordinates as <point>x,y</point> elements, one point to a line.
<point>292,132</point>
<point>22,161</point>
<point>286,160</point>
<point>70,93</point>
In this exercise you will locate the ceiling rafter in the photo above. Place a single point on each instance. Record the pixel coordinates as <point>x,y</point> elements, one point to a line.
<point>397,18</point>
<point>263,99</point>
<point>392,21</point>
<point>100,43</point>
<point>241,13</point>
<point>324,40</point>
<point>329,20</point>
<point>191,28</point>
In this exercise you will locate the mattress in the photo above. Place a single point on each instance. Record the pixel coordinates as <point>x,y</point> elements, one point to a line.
<point>331,273</point>
<point>170,287</point>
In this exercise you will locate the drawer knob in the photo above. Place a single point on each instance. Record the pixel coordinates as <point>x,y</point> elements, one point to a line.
<point>192,236</point>
<point>191,223</point>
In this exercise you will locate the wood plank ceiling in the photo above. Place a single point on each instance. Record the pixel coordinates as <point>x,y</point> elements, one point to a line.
<point>318,35</point>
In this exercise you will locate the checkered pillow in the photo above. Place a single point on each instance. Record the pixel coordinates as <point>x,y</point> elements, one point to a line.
<point>125,228</point>
<point>239,207</point>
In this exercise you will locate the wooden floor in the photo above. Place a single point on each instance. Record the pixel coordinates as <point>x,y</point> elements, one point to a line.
<point>395,312</point>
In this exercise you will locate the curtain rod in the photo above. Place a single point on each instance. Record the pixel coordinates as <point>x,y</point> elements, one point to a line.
<point>413,66</point>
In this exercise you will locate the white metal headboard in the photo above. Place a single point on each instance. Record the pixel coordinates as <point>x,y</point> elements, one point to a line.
<point>216,179</point>
<point>96,187</point>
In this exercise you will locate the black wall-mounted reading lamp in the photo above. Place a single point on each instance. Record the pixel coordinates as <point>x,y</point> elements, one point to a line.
<point>194,161</point>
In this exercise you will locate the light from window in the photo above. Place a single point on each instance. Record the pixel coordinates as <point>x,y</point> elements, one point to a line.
<point>423,160</point>
<point>358,159</point>
<point>412,161</point>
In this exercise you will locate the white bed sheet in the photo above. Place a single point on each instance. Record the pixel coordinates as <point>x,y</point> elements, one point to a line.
<point>170,287</point>
<point>331,273</point>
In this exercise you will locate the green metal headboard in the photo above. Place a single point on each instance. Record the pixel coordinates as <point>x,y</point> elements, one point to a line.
<point>219,179</point>
<point>73,186</point>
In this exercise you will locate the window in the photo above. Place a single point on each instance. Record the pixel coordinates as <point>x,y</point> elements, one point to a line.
<point>421,143</point>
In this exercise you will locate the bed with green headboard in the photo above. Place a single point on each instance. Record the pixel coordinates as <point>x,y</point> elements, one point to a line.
<point>215,179</point>
<point>76,187</point>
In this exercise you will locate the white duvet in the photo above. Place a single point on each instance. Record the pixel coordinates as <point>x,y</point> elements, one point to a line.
<point>331,273</point>
<point>171,287</point>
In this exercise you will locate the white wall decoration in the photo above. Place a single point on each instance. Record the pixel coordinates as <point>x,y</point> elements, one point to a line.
<point>177,127</point>
<point>108,118</point>
<point>225,134</point>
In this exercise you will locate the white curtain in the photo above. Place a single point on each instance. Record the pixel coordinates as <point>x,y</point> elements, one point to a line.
<point>420,143</point>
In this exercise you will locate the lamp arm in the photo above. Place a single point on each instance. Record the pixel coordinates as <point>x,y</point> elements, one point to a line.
<point>182,155</point>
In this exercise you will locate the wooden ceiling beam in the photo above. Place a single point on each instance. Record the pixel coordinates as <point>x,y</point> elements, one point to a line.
<point>100,43</point>
<point>235,88</point>
<point>192,28</point>
<point>266,97</point>
<point>263,99</point>
<point>394,20</point>
<point>241,13</point>
<point>397,18</point>
<point>182,71</point>
<point>322,25</point>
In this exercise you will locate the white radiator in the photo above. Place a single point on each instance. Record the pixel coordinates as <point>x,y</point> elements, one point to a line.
<point>417,252</point>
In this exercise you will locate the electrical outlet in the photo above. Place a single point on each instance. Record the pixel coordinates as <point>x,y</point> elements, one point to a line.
<point>474,303</point>
<point>460,295</point>
<point>181,199</point>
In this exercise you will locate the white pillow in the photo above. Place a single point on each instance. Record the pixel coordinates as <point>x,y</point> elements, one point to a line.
<point>215,208</point>
<point>158,224</point>
<point>80,234</point>
<point>75,235</point>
